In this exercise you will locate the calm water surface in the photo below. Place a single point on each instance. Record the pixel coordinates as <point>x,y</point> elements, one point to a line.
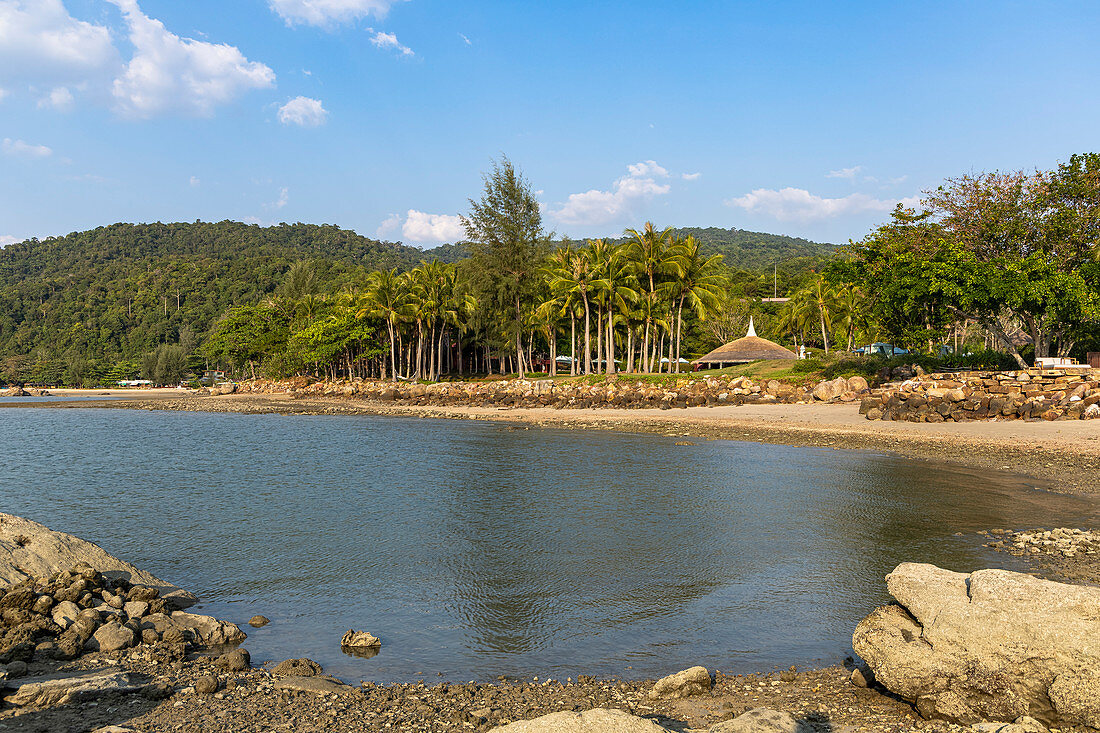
<point>477,549</point>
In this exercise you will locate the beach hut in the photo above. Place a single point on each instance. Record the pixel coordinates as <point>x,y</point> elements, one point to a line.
<point>749,348</point>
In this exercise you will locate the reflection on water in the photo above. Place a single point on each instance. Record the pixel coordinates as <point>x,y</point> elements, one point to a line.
<point>475,549</point>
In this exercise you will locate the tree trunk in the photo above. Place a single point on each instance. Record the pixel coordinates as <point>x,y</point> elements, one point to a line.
<point>645,348</point>
<point>679,324</point>
<point>572,345</point>
<point>610,340</point>
<point>824,336</point>
<point>587,339</point>
<point>629,349</point>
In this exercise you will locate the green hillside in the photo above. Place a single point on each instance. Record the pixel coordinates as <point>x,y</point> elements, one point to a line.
<point>96,301</point>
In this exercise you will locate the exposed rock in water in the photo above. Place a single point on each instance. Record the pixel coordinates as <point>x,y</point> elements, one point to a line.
<point>29,549</point>
<point>694,681</point>
<point>258,621</point>
<point>937,648</point>
<point>360,640</point>
<point>598,720</point>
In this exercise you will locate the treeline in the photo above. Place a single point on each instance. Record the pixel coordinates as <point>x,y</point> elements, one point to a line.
<point>98,306</point>
<point>1011,260</point>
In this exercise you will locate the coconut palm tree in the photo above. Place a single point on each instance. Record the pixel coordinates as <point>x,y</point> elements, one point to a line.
<point>575,280</point>
<point>387,297</point>
<point>617,286</point>
<point>700,284</point>
<point>649,249</point>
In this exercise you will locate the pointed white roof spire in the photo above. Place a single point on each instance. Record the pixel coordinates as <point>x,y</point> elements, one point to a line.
<point>752,329</point>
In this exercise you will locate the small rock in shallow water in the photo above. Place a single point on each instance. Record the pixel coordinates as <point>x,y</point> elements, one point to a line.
<point>360,640</point>
<point>258,621</point>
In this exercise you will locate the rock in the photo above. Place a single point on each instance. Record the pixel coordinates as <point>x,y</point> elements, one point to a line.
<point>206,684</point>
<point>1077,696</point>
<point>761,720</point>
<point>874,414</point>
<point>694,681</point>
<point>858,678</point>
<point>236,660</point>
<point>857,384</point>
<point>135,609</point>
<point>114,729</point>
<point>323,685</point>
<point>826,391</point>
<point>65,613</point>
<point>360,640</point>
<point>29,549</point>
<point>598,720</point>
<point>936,649</point>
<point>208,630</point>
<point>297,668</point>
<point>111,638</point>
<point>16,669</point>
<point>258,621</point>
<point>61,689</point>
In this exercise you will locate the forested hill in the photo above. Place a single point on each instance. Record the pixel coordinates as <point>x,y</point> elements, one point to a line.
<point>752,251</point>
<point>108,295</point>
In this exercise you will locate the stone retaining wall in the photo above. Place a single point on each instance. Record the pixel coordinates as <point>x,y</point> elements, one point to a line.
<point>614,393</point>
<point>1032,394</point>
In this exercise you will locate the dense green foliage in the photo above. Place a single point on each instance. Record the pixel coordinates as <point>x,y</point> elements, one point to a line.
<point>90,307</point>
<point>1016,255</point>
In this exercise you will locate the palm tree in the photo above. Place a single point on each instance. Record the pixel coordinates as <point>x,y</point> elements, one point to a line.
<point>575,280</point>
<point>700,284</point>
<point>618,287</point>
<point>387,297</point>
<point>650,251</point>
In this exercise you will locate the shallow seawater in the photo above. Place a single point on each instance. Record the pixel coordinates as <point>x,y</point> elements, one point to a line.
<point>475,549</point>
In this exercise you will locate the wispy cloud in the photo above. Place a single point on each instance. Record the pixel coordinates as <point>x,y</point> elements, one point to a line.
<point>195,182</point>
<point>389,41</point>
<point>303,112</point>
<point>283,200</point>
<point>690,176</point>
<point>466,39</point>
<point>847,173</point>
<point>24,149</point>
<point>6,239</point>
<point>798,204</point>
<point>59,98</point>
<point>329,13</point>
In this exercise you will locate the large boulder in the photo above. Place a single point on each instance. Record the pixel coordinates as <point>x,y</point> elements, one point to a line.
<point>761,720</point>
<point>992,645</point>
<point>29,549</point>
<point>207,630</point>
<point>598,720</point>
<point>826,391</point>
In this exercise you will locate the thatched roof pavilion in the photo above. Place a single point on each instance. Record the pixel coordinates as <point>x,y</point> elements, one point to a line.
<point>749,348</point>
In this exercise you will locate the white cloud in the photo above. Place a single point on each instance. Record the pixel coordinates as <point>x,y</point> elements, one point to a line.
<point>690,176</point>
<point>596,208</point>
<point>328,12</point>
<point>195,182</point>
<point>389,40</point>
<point>387,227</point>
<point>304,112</point>
<point>60,98</point>
<point>421,227</point>
<point>41,44</point>
<point>848,173</point>
<point>3,93</point>
<point>798,204</point>
<point>172,74</point>
<point>24,149</point>
<point>6,239</point>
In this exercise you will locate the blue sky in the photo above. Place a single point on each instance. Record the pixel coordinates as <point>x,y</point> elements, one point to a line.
<point>803,118</point>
